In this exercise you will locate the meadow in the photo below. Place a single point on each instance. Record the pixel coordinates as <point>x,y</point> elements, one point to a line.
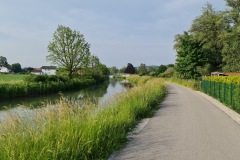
<point>70,131</point>
<point>4,78</point>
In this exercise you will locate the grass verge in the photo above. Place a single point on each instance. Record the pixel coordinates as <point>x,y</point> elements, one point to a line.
<point>69,131</point>
<point>190,83</point>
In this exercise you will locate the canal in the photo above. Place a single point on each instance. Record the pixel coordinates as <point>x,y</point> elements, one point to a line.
<point>98,94</point>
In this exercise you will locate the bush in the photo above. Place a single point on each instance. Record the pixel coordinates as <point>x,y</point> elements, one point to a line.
<point>225,89</point>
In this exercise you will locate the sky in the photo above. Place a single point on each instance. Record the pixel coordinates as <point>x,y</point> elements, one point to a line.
<point>119,31</point>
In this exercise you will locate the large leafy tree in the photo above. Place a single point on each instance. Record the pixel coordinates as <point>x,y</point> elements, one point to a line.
<point>142,69</point>
<point>4,62</point>
<point>231,50</point>
<point>69,50</point>
<point>189,56</point>
<point>130,69</point>
<point>16,67</point>
<point>113,70</point>
<point>162,68</point>
<point>207,30</point>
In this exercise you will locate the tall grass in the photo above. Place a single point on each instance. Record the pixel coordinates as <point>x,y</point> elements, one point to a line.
<point>69,131</point>
<point>139,80</point>
<point>190,83</point>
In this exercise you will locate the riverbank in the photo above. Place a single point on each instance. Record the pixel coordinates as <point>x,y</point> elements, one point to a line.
<point>42,84</point>
<point>73,132</point>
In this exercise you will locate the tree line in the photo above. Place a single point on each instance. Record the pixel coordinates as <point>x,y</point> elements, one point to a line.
<point>211,44</point>
<point>143,69</point>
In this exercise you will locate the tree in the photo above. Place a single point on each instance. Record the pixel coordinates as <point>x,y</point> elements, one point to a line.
<point>113,70</point>
<point>168,73</point>
<point>16,67</point>
<point>142,69</point>
<point>162,68</point>
<point>231,48</point>
<point>130,69</point>
<point>189,56</point>
<point>152,71</point>
<point>207,29</point>
<point>170,65</point>
<point>69,50</point>
<point>122,70</point>
<point>3,62</point>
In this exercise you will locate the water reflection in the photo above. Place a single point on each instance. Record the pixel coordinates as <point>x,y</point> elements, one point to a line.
<point>97,93</point>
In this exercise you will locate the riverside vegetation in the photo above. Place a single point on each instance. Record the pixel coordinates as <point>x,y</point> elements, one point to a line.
<point>15,86</point>
<point>70,131</point>
<point>190,83</point>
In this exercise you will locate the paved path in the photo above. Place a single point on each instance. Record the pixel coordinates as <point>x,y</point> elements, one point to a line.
<point>186,127</point>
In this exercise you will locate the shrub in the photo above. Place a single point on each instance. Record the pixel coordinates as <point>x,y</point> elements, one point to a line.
<point>225,89</point>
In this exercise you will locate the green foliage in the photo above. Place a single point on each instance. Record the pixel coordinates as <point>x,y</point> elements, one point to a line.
<point>226,89</point>
<point>46,78</point>
<point>34,85</point>
<point>190,83</point>
<point>190,55</point>
<point>139,80</point>
<point>207,29</point>
<point>162,68</point>
<point>142,70</point>
<point>216,34</point>
<point>12,78</point>
<point>168,73</point>
<point>130,69</point>
<point>4,62</point>
<point>171,65</point>
<point>225,79</point>
<point>122,70</point>
<point>68,131</point>
<point>113,70</point>
<point>69,50</point>
<point>16,68</point>
<point>231,54</point>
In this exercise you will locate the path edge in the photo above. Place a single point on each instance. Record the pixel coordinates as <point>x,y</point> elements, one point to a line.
<point>231,113</point>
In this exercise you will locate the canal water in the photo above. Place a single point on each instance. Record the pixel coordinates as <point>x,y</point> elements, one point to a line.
<point>96,94</point>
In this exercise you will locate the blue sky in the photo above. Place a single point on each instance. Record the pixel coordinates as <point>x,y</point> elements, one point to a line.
<point>120,32</point>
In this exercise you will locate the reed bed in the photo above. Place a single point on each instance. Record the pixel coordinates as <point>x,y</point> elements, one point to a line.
<point>69,131</point>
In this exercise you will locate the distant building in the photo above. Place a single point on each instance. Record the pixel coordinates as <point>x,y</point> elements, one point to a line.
<point>225,74</point>
<point>49,70</point>
<point>4,69</point>
<point>217,74</point>
<point>37,71</point>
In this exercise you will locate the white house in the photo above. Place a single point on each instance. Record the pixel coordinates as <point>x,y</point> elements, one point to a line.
<point>49,70</point>
<point>3,69</point>
<point>37,71</point>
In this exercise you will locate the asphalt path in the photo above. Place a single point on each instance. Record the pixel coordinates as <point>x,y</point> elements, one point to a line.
<point>186,127</point>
